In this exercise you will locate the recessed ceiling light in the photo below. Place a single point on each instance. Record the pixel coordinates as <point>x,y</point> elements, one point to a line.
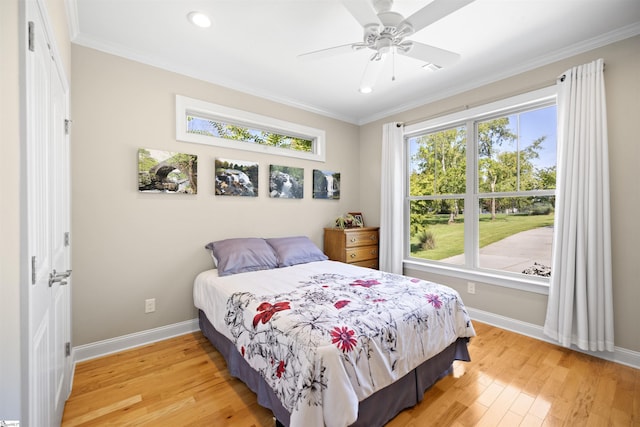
<point>199,19</point>
<point>365,89</point>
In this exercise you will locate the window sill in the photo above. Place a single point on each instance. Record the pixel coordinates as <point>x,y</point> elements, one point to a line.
<point>538,285</point>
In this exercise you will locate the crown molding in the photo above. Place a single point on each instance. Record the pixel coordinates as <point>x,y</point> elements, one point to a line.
<point>123,52</point>
<point>584,46</point>
<point>72,18</point>
<point>557,55</point>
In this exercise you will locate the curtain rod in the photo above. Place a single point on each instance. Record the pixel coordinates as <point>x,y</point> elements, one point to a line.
<point>467,106</point>
<point>564,76</point>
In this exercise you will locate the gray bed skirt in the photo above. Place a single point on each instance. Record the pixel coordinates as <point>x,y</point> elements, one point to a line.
<point>376,410</point>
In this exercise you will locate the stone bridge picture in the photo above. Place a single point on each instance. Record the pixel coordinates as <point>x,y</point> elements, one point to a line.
<point>167,172</point>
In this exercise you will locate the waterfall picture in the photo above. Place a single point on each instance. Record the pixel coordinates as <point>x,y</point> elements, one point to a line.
<point>236,178</point>
<point>286,182</point>
<point>167,172</point>
<point>326,184</point>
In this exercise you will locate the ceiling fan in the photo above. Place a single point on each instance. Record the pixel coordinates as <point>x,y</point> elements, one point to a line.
<point>385,32</point>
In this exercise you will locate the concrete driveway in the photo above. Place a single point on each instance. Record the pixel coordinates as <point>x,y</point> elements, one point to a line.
<point>517,252</point>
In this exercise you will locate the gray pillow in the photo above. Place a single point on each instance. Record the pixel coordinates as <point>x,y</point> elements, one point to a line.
<point>295,250</point>
<point>243,254</point>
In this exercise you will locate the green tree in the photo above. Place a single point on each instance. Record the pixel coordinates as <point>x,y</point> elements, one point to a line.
<point>491,135</point>
<point>546,178</point>
<point>145,161</point>
<point>439,168</point>
<point>187,164</point>
<point>504,171</point>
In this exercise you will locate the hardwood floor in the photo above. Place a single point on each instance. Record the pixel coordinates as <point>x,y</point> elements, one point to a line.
<point>512,380</point>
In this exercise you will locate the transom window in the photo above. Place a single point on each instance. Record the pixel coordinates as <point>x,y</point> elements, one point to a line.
<point>212,124</point>
<point>222,129</point>
<point>481,187</point>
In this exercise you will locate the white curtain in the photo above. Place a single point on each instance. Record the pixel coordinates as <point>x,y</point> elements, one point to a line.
<point>580,308</point>
<point>391,199</point>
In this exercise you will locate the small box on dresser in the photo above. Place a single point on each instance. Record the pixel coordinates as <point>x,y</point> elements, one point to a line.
<point>358,246</point>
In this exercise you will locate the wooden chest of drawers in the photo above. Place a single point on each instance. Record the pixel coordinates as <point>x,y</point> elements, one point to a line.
<point>357,246</point>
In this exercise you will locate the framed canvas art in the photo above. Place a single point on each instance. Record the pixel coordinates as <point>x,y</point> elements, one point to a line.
<point>286,182</point>
<point>236,178</point>
<point>326,184</point>
<point>167,172</point>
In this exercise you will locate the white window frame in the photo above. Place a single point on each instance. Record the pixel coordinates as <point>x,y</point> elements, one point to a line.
<point>186,106</point>
<point>469,117</point>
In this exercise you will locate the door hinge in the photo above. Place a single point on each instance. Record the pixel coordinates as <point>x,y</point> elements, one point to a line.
<point>67,241</point>
<point>32,42</point>
<point>67,126</point>
<point>67,349</point>
<point>33,270</point>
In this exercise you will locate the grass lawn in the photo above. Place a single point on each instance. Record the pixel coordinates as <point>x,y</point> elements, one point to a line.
<point>449,238</point>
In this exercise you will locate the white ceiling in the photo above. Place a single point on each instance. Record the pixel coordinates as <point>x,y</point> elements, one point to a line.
<point>253,45</point>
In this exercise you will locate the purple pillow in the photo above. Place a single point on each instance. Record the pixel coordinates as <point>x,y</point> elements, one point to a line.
<point>243,254</point>
<point>295,250</point>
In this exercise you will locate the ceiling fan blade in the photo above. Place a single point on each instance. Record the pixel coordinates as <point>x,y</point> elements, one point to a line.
<point>329,52</point>
<point>433,12</point>
<point>363,11</point>
<point>431,54</point>
<point>371,74</point>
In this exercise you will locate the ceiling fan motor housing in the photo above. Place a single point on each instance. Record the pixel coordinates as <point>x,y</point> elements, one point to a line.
<point>381,38</point>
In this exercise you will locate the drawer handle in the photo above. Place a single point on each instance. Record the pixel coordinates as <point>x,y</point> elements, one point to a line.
<point>373,238</point>
<point>352,255</point>
<point>353,240</point>
<point>374,252</point>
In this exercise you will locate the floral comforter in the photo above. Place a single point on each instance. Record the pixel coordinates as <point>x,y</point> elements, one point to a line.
<point>326,335</point>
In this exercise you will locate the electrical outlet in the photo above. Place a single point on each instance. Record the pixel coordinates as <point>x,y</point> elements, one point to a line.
<point>471,287</point>
<point>150,305</point>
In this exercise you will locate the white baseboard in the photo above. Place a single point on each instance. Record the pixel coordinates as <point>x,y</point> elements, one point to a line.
<point>619,355</point>
<point>125,342</point>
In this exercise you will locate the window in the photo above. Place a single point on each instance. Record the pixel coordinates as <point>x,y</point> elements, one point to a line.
<point>481,189</point>
<point>206,123</point>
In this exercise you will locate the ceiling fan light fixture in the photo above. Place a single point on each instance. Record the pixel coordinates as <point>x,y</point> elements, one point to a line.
<point>199,19</point>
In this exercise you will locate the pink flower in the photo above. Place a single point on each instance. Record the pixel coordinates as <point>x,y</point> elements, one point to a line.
<point>341,303</point>
<point>365,283</point>
<point>434,300</point>
<point>344,339</point>
<point>267,310</point>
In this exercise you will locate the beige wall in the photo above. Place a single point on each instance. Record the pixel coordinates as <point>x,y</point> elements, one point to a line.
<point>622,80</point>
<point>128,246</point>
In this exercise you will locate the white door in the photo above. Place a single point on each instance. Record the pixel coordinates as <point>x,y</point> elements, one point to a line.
<point>47,208</point>
<point>59,277</point>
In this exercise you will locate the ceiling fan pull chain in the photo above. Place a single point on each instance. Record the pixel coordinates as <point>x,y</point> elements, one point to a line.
<point>393,64</point>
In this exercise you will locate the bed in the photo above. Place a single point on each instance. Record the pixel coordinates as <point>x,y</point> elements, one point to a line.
<point>323,343</point>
